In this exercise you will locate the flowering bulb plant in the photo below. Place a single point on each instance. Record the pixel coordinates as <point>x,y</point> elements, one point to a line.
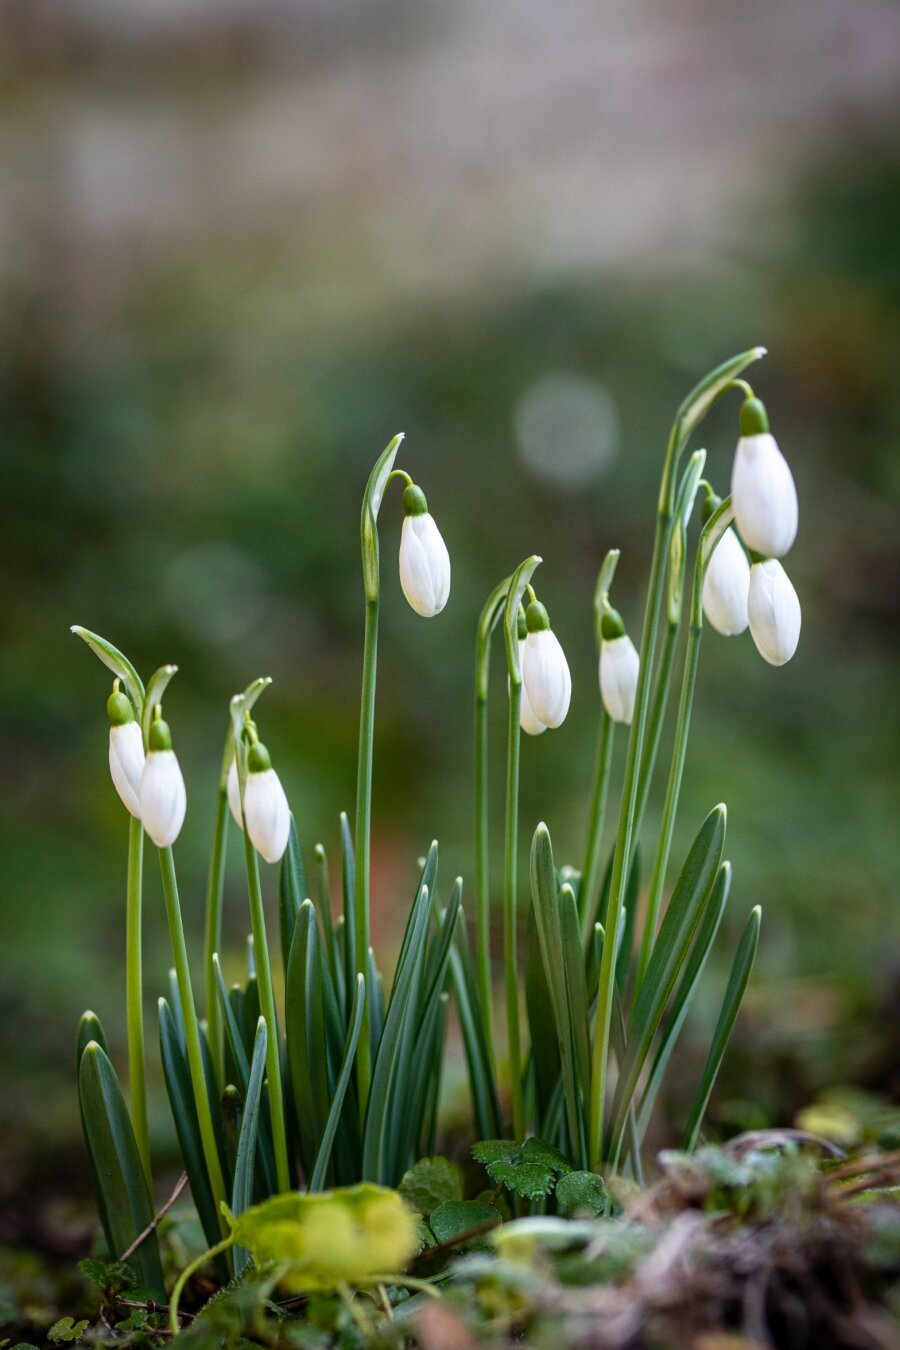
<point>340,1086</point>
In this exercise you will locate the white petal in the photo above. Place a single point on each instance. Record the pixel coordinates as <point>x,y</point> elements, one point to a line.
<point>545,677</point>
<point>233,788</point>
<point>764,496</point>
<point>163,797</point>
<point>267,813</point>
<point>774,612</point>
<point>726,586</point>
<point>619,669</point>
<point>531,725</point>
<point>424,565</point>
<point>126,763</point>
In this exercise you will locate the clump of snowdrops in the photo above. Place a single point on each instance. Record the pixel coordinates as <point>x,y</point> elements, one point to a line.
<point>296,1123</point>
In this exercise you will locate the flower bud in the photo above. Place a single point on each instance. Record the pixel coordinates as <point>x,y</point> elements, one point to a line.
<point>762,487</point>
<point>266,808</point>
<point>619,668</point>
<point>774,612</point>
<point>126,750</point>
<point>546,681</point>
<point>233,788</point>
<point>531,725</point>
<point>424,560</point>
<point>163,796</point>
<point>726,585</point>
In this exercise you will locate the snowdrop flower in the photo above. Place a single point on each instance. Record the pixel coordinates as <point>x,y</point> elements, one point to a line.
<point>774,612</point>
<point>726,586</point>
<point>163,796</point>
<point>546,682</point>
<point>762,487</point>
<point>126,749</point>
<point>266,808</point>
<point>531,725</point>
<point>424,560</point>
<point>233,788</point>
<point>619,668</point>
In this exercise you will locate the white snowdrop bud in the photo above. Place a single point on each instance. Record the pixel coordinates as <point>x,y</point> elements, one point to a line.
<point>774,611</point>
<point>545,671</point>
<point>531,725</point>
<point>126,750</point>
<point>266,808</point>
<point>762,487</point>
<point>163,795</point>
<point>424,560</point>
<point>233,788</point>
<point>619,668</point>
<point>726,586</point>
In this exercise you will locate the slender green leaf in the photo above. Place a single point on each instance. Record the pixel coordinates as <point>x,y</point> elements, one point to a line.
<point>485,1102</point>
<point>545,1055</point>
<point>576,988</point>
<point>241,1064</point>
<point>307,1048</point>
<point>737,983</point>
<point>292,890</point>
<point>323,892</point>
<point>348,872</point>
<point>176,1073</point>
<point>320,1170</point>
<point>242,1189</point>
<point>90,1029</point>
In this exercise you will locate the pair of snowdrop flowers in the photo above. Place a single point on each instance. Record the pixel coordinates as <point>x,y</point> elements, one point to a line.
<point>758,593</point>
<point>151,785</point>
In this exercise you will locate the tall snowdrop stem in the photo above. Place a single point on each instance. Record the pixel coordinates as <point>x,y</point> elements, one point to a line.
<point>590,872</point>
<point>372,498</point>
<point>192,1033</point>
<point>212,942</point>
<point>267,1008</point>
<point>688,417</point>
<point>712,532</point>
<point>134,996</point>
<point>658,708</point>
<point>487,622</point>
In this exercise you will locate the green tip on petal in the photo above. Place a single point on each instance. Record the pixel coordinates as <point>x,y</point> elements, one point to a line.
<point>118,707</point>
<point>414,503</point>
<point>754,418</point>
<point>611,625</point>
<point>258,758</point>
<point>160,737</point>
<point>537,620</point>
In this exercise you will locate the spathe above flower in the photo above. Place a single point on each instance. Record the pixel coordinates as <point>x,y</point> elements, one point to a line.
<point>619,667</point>
<point>424,560</point>
<point>266,808</point>
<point>163,794</point>
<point>774,611</point>
<point>546,681</point>
<point>126,750</point>
<point>762,487</point>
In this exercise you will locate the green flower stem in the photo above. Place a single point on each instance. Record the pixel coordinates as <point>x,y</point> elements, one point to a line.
<point>134,996</point>
<point>192,1032</point>
<point>267,1007</point>
<point>362,837</point>
<point>197,1264</point>
<point>657,719</point>
<point>710,535</point>
<point>510,927</point>
<point>213,933</point>
<point>590,872</point>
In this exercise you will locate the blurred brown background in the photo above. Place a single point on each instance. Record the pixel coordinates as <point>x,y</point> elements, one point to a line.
<point>243,242</point>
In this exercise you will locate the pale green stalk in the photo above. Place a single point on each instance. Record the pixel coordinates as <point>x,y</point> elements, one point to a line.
<point>510,926</point>
<point>590,872</point>
<point>213,932</point>
<point>362,836</point>
<point>267,1007</point>
<point>134,1001</point>
<point>192,1033</point>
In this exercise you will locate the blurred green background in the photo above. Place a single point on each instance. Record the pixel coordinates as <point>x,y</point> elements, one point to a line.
<point>242,243</point>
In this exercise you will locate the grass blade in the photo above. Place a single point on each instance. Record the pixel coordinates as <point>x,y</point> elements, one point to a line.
<point>242,1189</point>
<point>485,1102</point>
<point>304,1019</point>
<point>292,891</point>
<point>320,1170</point>
<point>184,1113</point>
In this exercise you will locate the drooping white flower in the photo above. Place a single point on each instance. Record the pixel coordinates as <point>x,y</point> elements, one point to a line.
<point>163,795</point>
<point>726,586</point>
<point>530,724</point>
<point>233,788</point>
<point>620,666</point>
<point>545,671</point>
<point>266,808</point>
<point>762,487</point>
<point>774,611</point>
<point>126,750</point>
<point>424,560</point>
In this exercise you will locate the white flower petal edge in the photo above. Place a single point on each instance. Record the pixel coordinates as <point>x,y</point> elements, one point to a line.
<point>531,725</point>
<point>726,586</point>
<point>774,611</point>
<point>764,496</point>
<point>233,788</point>
<point>163,797</point>
<point>126,764</point>
<point>619,669</point>
<point>545,677</point>
<point>424,565</point>
<point>267,813</point>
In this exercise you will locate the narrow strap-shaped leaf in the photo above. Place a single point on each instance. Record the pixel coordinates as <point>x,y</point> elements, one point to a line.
<point>323,893</point>
<point>129,1209</point>
<point>250,1014</point>
<point>292,890</point>
<point>375,998</point>
<point>691,894</point>
<point>305,1028</point>
<point>184,1113</point>
<point>90,1029</point>
<point>576,988</point>
<point>737,983</point>
<point>241,1063</point>
<point>629,917</point>
<point>428,1139</point>
<point>545,1057</point>
<point>348,872</point>
<point>242,1190</point>
<point>485,1102</point>
<point>320,1170</point>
